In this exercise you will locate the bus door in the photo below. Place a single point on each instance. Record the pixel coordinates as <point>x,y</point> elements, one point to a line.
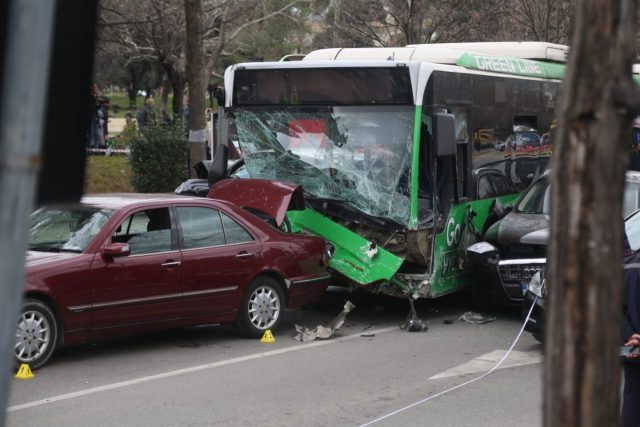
<point>451,210</point>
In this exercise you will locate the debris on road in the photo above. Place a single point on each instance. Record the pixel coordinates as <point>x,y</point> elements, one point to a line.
<point>324,332</point>
<point>413,322</point>
<point>476,318</point>
<point>371,325</point>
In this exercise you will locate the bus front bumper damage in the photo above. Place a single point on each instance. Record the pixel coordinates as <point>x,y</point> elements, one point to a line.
<point>361,261</point>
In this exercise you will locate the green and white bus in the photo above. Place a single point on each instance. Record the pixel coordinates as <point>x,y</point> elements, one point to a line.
<point>401,152</point>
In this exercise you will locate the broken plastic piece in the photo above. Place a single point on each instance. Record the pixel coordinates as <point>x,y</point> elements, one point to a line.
<point>324,332</point>
<point>477,318</point>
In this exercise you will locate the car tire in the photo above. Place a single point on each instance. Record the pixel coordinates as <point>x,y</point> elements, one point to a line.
<point>261,308</point>
<point>36,334</point>
<point>539,336</point>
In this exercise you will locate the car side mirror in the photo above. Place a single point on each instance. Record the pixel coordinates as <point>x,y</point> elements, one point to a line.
<point>117,250</point>
<point>482,251</point>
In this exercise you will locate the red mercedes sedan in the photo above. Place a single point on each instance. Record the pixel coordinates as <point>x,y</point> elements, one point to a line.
<point>126,263</point>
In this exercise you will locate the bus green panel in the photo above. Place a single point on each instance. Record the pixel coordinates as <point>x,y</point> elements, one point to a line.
<point>351,255</point>
<point>450,272</point>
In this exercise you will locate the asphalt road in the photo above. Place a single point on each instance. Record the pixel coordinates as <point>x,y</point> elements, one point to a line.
<point>208,376</point>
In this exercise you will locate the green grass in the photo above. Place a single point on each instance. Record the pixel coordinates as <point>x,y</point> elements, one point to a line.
<point>120,104</point>
<point>107,175</point>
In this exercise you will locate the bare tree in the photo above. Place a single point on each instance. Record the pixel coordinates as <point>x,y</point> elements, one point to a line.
<point>582,368</point>
<point>147,31</point>
<point>197,82</point>
<point>540,20</point>
<point>401,22</point>
<point>225,22</point>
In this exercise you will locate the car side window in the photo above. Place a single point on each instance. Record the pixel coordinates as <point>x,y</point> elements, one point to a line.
<point>234,232</point>
<point>146,232</point>
<point>485,189</point>
<point>201,227</point>
<point>501,185</point>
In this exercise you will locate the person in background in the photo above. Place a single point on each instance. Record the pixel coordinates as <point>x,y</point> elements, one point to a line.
<point>105,105</point>
<point>631,337</point>
<point>185,112</point>
<point>97,120</point>
<point>146,116</point>
<point>165,120</point>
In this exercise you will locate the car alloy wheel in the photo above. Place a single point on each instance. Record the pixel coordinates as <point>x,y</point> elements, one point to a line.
<point>264,307</point>
<point>36,334</point>
<point>261,307</point>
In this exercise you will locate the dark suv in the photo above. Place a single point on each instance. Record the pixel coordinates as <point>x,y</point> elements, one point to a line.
<point>515,247</point>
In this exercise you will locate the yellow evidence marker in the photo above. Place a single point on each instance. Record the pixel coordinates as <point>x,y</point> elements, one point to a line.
<point>267,337</point>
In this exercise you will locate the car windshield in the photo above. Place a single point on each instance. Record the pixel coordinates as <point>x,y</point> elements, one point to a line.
<point>537,199</point>
<point>65,228</point>
<point>356,155</point>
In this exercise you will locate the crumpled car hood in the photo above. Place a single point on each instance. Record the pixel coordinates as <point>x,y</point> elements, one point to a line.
<point>274,198</point>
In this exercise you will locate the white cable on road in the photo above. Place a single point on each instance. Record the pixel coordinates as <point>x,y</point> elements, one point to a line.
<point>465,383</point>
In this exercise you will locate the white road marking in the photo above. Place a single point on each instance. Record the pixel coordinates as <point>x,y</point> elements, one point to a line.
<point>487,361</point>
<point>183,371</point>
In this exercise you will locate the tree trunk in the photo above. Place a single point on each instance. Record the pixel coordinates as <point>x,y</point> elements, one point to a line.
<point>197,83</point>
<point>177,102</point>
<point>582,368</point>
<point>164,97</point>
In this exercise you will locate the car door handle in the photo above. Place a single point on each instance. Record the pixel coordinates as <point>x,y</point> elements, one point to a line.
<point>170,264</point>
<point>244,255</point>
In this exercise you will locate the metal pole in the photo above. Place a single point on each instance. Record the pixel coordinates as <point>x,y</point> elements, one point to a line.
<point>22,108</point>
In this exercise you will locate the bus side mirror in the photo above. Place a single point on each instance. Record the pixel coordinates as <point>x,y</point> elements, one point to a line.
<point>218,169</point>
<point>444,129</point>
<point>219,95</point>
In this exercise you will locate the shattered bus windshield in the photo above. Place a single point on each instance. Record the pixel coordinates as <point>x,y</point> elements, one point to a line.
<point>356,155</point>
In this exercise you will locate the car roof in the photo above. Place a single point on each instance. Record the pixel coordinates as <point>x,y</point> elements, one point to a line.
<point>120,200</point>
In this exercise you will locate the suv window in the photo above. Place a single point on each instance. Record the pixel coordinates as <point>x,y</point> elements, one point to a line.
<point>485,189</point>
<point>502,185</point>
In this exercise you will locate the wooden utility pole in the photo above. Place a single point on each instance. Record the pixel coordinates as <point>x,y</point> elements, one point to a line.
<point>197,83</point>
<point>582,367</point>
